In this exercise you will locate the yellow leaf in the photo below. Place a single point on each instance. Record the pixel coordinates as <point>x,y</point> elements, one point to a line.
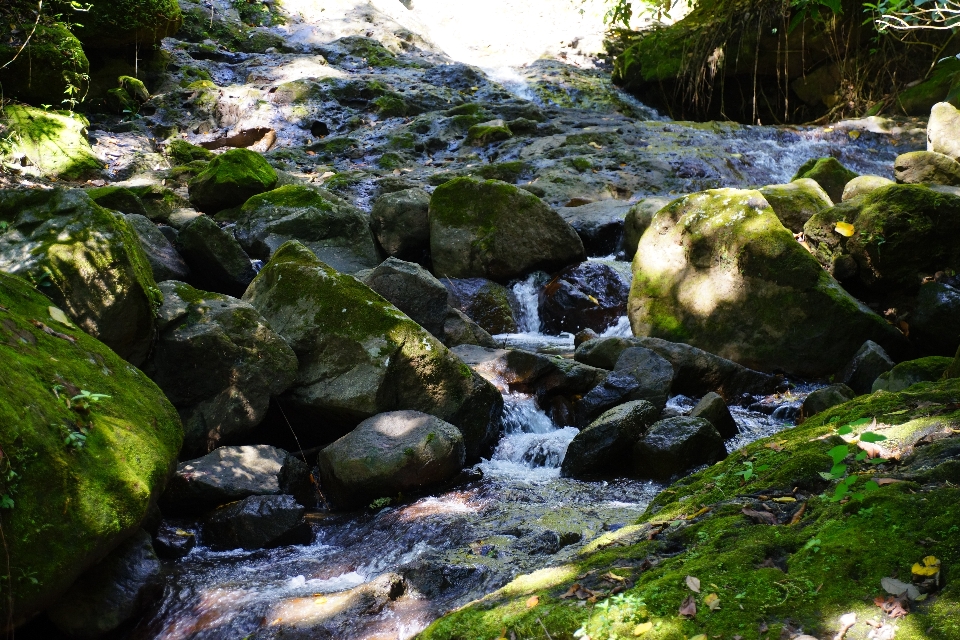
<point>712,601</point>
<point>642,628</point>
<point>853,134</point>
<point>845,229</point>
<point>59,316</point>
<point>594,300</point>
<point>785,499</point>
<point>929,566</point>
<point>533,601</point>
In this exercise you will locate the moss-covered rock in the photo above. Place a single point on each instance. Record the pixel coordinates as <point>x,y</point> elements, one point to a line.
<point>401,224</point>
<point>494,230</point>
<point>230,180</point>
<point>51,68</point>
<point>84,471</point>
<point>909,373</point>
<point>637,220</point>
<point>111,24</point>
<point>901,233</point>
<point>487,132</point>
<point>55,142</point>
<point>359,355</point>
<point>940,86</point>
<point>935,321</point>
<point>796,202</point>
<point>828,173</point>
<point>926,167</point>
<point>117,198</point>
<point>182,152</point>
<point>862,185</point>
<point>718,271</point>
<point>88,260</point>
<point>484,301</point>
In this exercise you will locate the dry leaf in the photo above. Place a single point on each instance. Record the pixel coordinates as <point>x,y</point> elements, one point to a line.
<point>572,591</point>
<point>59,316</point>
<point>776,446</point>
<point>845,229</point>
<point>760,517</point>
<point>699,636</point>
<point>886,481</point>
<point>642,628</point>
<point>689,607</point>
<point>784,499</point>
<point>712,601</point>
<point>533,601</point>
<point>693,584</point>
<point>609,575</point>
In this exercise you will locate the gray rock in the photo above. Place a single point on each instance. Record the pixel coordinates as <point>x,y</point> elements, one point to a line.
<point>906,374</point>
<point>674,445</point>
<point>822,399</point>
<point>484,301</point>
<point>401,224</point>
<point>926,167</point>
<point>164,260</point>
<point>255,523</point>
<point>459,329</point>
<point>865,367</point>
<point>604,447</point>
<point>795,202</point>
<point>413,290</point>
<point>942,128</point>
<point>935,321</point>
<point>232,473</point>
<point>714,410</point>
<point>637,220</point>
<point>216,260</point>
<point>599,224</point>
<point>640,374</point>
<point>111,592</point>
<point>388,454</point>
<point>172,542</point>
<point>537,373</point>
<point>864,184</point>
<point>218,362</point>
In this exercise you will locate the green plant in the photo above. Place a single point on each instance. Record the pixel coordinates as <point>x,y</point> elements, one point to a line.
<point>380,503</point>
<point>749,470</point>
<point>839,470</point>
<point>75,439</point>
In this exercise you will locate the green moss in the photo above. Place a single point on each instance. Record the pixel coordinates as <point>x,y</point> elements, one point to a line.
<point>52,67</point>
<point>828,173</point>
<point>941,86</point>
<point>580,164</point>
<point>487,132</point>
<point>344,180</point>
<point>467,109</point>
<point>401,141</point>
<point>54,141</point>
<point>391,160</point>
<point>182,152</point>
<point>392,105</point>
<point>371,52</point>
<point>511,171</point>
<point>117,198</point>
<point>230,179</point>
<point>908,373</point>
<point>71,505</point>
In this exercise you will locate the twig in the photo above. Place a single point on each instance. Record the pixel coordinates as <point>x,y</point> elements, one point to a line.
<point>549,637</point>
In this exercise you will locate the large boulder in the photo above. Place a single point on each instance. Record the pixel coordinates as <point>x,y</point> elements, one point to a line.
<point>604,447</point>
<point>88,466</point>
<point>52,141</point>
<point>926,167</point>
<point>227,474</point>
<point>637,220</point>
<point>217,261</point>
<point>359,355</point>
<point>484,301</point>
<point>674,445</point>
<point>942,130</point>
<point>492,229</point>
<point>389,454</point>
<point>714,410</point>
<point>256,522</point>
<point>599,224</point>
<point>906,374</point>
<point>862,185</point>
<point>589,295</point>
<point>218,362</point>
<point>459,329</point>
<point>935,321</point>
<point>49,63</point>
<point>822,399</point>
<point>231,179</point>
<point>828,173</point>
<point>795,202</point>
<point>87,260</point>
<point>900,234</point>
<point>336,231</point>
<point>165,262</point>
<point>865,367</point>
<point>401,223</point>
<point>413,290</point>
<point>112,24</point>
<point>110,593</point>
<point>640,374</point>
<point>718,271</point>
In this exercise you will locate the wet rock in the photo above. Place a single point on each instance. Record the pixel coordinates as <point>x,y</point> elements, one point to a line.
<point>227,474</point>
<point>255,523</point>
<point>484,301</point>
<point>795,202</point>
<point>111,592</point>
<point>862,185</point>
<point>486,132</point>
<point>182,152</point>
<point>942,130</point>
<point>637,220</point>
<point>865,367</point>
<point>828,173</point>
<point>584,336</point>
<point>165,262</point>
<point>389,454</point>
<point>935,321</point>
<point>360,356</point>
<point>926,167</point>
<point>822,399</point>
<point>528,372</point>
<point>219,363</point>
<point>760,309</point>
<point>589,295</point>
<point>640,374</point>
<point>337,232</point>
<point>400,223</point>
<point>540,541</point>
<point>118,199</point>
<point>56,143</point>
<point>902,233</point>
<point>173,542</point>
<point>713,409</point>
<point>230,180</point>
<point>217,261</point>
<point>491,229</point>
<point>604,447</point>
<point>674,445</point>
<point>599,224</point>
<point>459,329</point>
<point>413,290</point>
<point>55,238</point>
<point>909,373</point>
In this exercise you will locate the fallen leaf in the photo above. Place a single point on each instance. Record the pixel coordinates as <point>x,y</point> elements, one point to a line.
<point>572,591</point>
<point>59,316</point>
<point>760,517</point>
<point>845,229</point>
<point>611,576</point>
<point>799,514</point>
<point>927,567</point>
<point>853,135</point>
<point>689,607</point>
<point>893,607</point>
<point>897,588</point>
<point>693,584</point>
<point>886,481</point>
<point>776,446</point>
<point>712,601</point>
<point>55,334</point>
<point>642,628</point>
<point>784,499</point>
<point>533,601</point>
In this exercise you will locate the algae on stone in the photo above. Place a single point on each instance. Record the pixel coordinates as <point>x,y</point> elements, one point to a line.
<point>55,142</point>
<point>230,180</point>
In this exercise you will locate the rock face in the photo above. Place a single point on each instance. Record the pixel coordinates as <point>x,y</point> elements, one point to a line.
<point>56,143</point>
<point>795,202</point>
<point>87,260</point>
<point>337,232</point>
<point>822,399</point>
<point>256,522</point>
<point>491,229</point>
<point>637,220</point>
<point>91,492</point>
<point>599,224</point>
<point>926,167</point>
<point>942,130</point>
<point>219,363</point>
<point>360,356</point>
<point>828,173</point>
<point>230,180</point>
<point>674,445</point>
<point>714,410</point>
<point>604,447</point>
<point>901,233</point>
<point>718,271</point>
<point>909,373</point>
<point>401,224</point>
<point>227,474</point>
<point>865,367</point>
<point>589,295</point>
<point>388,454</point>
<point>111,592</point>
<point>640,374</point>
<point>165,262</point>
<point>217,262</point>
<point>935,321</point>
<point>485,302</point>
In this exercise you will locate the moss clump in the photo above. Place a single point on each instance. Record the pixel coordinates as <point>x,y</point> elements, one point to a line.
<point>230,179</point>
<point>118,199</point>
<point>909,373</point>
<point>51,69</point>
<point>487,132</point>
<point>941,86</point>
<point>85,475</point>
<point>182,152</point>
<point>54,142</point>
<point>392,105</point>
<point>828,173</point>
<point>391,160</point>
<point>511,171</point>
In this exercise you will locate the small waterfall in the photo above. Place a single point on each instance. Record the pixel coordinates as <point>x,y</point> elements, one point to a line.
<point>619,330</point>
<point>513,82</point>
<point>528,311</point>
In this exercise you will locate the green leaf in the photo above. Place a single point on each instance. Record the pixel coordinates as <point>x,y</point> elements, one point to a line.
<point>876,460</point>
<point>844,430</point>
<point>860,422</point>
<point>838,453</point>
<point>871,486</point>
<point>6,502</point>
<point>762,467</point>
<point>849,480</point>
<point>861,456</point>
<point>838,470</point>
<point>869,436</point>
